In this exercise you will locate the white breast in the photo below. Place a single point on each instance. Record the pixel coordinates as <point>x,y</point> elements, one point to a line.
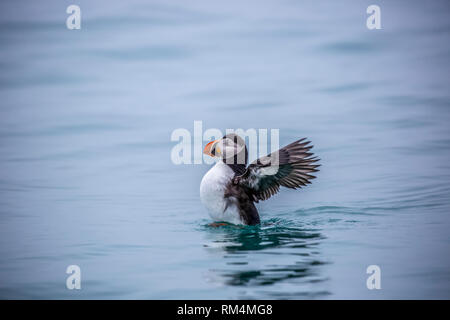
<point>212,190</point>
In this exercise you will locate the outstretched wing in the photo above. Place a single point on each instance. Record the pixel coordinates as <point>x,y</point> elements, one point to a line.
<point>288,167</point>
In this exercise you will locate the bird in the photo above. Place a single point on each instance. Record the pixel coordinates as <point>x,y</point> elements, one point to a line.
<point>230,189</point>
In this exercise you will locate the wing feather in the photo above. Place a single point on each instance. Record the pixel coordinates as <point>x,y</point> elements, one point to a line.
<point>290,167</point>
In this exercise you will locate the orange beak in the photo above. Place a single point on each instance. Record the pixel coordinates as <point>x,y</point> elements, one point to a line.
<point>207,149</point>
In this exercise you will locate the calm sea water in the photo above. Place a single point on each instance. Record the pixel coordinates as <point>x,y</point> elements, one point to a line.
<point>86,177</point>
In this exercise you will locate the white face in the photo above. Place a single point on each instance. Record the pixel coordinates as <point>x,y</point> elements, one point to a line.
<point>227,149</point>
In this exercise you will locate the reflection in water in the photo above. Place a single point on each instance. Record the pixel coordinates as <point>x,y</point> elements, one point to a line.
<point>293,253</point>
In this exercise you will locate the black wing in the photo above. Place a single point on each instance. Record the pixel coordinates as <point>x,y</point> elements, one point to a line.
<point>288,167</point>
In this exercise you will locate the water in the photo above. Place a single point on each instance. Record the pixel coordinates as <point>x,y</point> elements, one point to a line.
<point>86,118</point>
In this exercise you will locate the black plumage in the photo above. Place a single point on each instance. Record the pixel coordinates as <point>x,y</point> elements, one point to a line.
<point>291,167</point>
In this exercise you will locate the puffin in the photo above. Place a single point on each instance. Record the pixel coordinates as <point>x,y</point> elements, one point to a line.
<point>230,189</point>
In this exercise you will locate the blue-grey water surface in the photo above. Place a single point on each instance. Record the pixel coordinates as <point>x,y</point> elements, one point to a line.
<point>86,176</point>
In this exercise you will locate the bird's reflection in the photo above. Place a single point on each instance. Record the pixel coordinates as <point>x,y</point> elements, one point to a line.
<point>275,252</point>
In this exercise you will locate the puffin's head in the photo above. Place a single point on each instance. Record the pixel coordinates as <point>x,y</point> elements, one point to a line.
<point>230,148</point>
